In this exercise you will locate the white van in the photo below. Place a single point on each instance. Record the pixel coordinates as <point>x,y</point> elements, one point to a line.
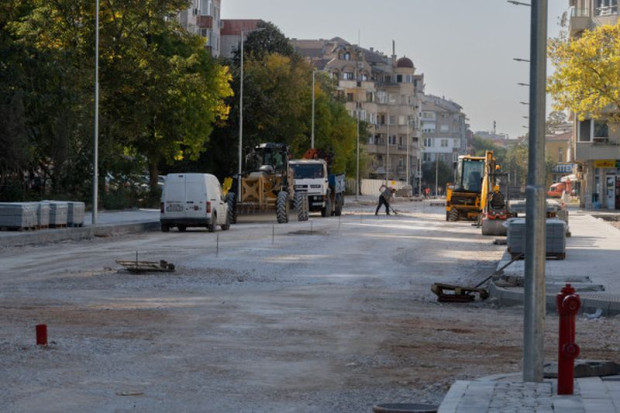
<point>193,200</point>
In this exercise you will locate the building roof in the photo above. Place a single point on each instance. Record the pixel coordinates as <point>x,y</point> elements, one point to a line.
<point>233,27</point>
<point>404,62</point>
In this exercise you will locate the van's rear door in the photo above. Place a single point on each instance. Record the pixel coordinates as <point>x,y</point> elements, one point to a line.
<point>174,196</point>
<point>195,195</point>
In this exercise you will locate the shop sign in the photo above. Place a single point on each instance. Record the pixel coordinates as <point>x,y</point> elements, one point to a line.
<point>563,168</point>
<point>605,163</point>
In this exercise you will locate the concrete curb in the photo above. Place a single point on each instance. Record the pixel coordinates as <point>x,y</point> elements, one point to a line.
<point>591,303</point>
<point>77,233</point>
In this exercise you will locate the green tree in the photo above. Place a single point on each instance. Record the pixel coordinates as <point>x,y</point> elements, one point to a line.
<point>586,79</point>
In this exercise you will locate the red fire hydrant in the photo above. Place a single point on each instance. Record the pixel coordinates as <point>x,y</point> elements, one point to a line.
<point>568,304</point>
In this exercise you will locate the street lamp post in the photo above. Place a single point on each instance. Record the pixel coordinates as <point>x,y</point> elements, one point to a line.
<point>312,133</point>
<point>96,131</point>
<point>243,32</point>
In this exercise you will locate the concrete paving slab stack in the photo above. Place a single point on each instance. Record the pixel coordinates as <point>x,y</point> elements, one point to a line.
<point>555,242</point>
<point>43,215</point>
<point>75,214</point>
<point>18,215</point>
<point>58,213</point>
<point>556,236</point>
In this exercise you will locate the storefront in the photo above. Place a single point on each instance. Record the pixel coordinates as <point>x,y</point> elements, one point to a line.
<point>606,184</point>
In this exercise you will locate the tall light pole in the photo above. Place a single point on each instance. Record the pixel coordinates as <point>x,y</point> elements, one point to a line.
<point>357,159</point>
<point>312,133</point>
<point>407,165</point>
<point>535,215</point>
<point>243,32</point>
<point>96,132</point>
<point>535,218</point>
<point>387,149</point>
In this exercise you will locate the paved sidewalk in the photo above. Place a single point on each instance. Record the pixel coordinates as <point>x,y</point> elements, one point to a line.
<point>108,223</point>
<point>592,395</point>
<point>591,266</point>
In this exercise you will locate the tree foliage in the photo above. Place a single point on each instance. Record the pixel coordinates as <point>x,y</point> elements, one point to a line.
<point>587,73</point>
<point>160,90</point>
<point>277,107</point>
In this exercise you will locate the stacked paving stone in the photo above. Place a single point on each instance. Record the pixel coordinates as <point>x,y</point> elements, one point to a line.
<point>58,213</point>
<point>18,215</point>
<point>555,243</point>
<point>75,214</point>
<point>43,215</point>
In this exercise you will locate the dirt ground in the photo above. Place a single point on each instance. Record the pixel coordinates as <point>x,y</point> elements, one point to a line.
<point>329,315</point>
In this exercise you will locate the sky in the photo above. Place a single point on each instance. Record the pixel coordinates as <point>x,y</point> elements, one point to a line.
<point>464,48</point>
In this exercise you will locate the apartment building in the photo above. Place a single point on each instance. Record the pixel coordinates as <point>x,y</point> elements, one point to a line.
<point>595,143</point>
<point>203,18</point>
<point>383,91</point>
<point>444,130</point>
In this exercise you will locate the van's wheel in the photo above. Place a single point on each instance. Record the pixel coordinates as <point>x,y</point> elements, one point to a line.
<point>453,215</point>
<point>213,223</point>
<point>327,210</point>
<point>182,228</point>
<point>231,200</point>
<point>339,204</point>
<point>282,207</point>
<point>226,226</point>
<point>165,227</point>
<point>301,206</point>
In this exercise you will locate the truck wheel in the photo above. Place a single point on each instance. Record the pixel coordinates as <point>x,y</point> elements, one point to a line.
<point>165,227</point>
<point>213,223</point>
<point>453,215</point>
<point>231,200</point>
<point>182,228</point>
<point>327,211</point>
<point>339,204</point>
<point>282,207</point>
<point>301,206</point>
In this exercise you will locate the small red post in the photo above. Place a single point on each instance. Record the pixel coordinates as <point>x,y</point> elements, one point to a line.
<point>41,335</point>
<point>567,303</point>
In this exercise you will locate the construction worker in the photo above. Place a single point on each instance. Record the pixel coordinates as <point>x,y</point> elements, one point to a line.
<point>497,200</point>
<point>384,199</point>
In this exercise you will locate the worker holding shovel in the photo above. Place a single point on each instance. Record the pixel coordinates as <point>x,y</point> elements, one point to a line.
<point>384,199</point>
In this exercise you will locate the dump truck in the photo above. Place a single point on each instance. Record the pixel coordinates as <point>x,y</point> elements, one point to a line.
<point>313,177</point>
<point>266,183</point>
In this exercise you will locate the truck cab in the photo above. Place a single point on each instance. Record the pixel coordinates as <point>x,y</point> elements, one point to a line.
<point>311,178</point>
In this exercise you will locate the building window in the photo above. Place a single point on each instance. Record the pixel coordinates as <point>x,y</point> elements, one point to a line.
<point>601,130</point>
<point>445,128</point>
<point>347,75</point>
<point>444,143</point>
<point>606,7</point>
<point>426,157</point>
<point>347,56</point>
<point>399,78</point>
<point>428,142</point>
<point>560,155</point>
<point>584,134</point>
<point>349,97</point>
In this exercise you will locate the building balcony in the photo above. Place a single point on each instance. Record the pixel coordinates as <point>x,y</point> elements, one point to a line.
<point>204,22</point>
<point>580,20</point>
<point>598,149</point>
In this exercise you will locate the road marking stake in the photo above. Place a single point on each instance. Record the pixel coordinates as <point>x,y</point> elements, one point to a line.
<point>41,334</point>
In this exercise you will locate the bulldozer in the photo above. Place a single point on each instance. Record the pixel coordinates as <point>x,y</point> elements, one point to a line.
<point>266,183</point>
<point>477,194</point>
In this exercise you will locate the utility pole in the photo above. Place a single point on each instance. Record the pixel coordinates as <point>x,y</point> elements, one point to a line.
<point>535,218</point>
<point>96,132</point>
